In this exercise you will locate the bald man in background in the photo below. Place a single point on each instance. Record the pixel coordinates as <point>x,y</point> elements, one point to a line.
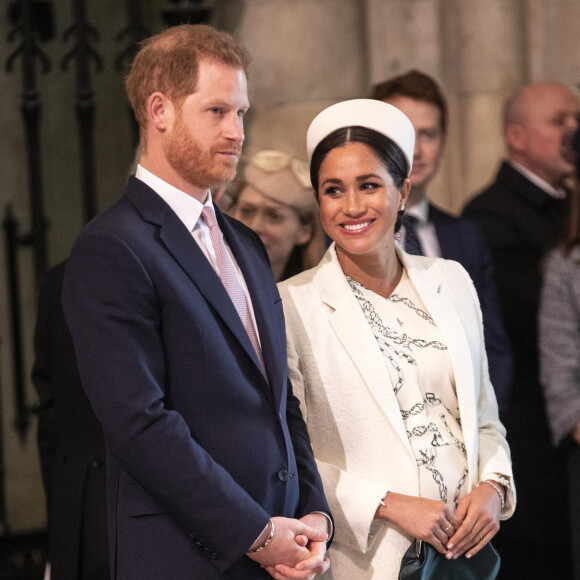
<point>521,215</point>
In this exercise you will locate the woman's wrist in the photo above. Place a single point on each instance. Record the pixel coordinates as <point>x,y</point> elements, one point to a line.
<point>498,488</point>
<point>380,514</point>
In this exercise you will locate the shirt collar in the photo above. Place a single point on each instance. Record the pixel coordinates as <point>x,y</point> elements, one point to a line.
<point>542,184</point>
<point>420,211</point>
<point>187,208</point>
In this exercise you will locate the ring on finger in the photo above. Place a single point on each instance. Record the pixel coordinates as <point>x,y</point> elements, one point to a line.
<point>480,536</point>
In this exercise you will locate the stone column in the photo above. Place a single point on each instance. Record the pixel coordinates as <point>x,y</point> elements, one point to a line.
<point>553,41</point>
<point>307,54</point>
<point>485,61</point>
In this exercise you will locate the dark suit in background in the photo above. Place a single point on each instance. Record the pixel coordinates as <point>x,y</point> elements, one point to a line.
<point>521,223</point>
<point>460,240</point>
<point>202,447</point>
<point>71,445</point>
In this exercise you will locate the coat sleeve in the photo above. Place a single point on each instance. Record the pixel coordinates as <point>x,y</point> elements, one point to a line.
<point>353,500</point>
<point>493,451</point>
<point>559,325</point>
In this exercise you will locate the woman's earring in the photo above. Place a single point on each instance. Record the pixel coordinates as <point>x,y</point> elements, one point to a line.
<point>402,208</point>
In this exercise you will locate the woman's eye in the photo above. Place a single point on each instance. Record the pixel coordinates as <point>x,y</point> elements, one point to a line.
<point>332,191</point>
<point>245,211</point>
<point>275,218</point>
<point>370,185</point>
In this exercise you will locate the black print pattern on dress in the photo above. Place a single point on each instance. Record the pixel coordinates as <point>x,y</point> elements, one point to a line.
<point>397,346</point>
<point>387,339</point>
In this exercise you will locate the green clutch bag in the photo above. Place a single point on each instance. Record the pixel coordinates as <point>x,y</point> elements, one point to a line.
<point>423,562</point>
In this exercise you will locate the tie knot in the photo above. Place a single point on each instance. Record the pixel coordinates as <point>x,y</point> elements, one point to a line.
<point>208,216</point>
<point>410,221</point>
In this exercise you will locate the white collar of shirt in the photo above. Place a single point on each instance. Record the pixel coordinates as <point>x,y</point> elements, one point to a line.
<point>420,211</point>
<point>187,208</point>
<point>543,185</point>
<point>425,229</point>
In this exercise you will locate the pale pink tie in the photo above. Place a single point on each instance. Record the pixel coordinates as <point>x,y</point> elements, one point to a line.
<point>230,279</point>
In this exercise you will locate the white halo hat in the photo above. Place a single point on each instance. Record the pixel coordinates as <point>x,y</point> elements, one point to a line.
<point>376,115</point>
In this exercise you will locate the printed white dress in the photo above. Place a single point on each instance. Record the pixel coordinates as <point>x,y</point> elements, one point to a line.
<point>421,373</point>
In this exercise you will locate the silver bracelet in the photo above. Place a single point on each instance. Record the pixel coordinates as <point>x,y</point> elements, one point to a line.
<point>496,488</point>
<point>265,542</point>
<point>384,498</point>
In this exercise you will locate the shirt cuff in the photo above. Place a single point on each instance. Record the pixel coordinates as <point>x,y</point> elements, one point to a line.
<point>330,524</point>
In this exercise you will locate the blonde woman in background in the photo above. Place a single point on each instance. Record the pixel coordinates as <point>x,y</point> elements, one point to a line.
<point>276,201</point>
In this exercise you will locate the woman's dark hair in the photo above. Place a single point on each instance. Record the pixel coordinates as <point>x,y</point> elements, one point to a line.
<point>387,151</point>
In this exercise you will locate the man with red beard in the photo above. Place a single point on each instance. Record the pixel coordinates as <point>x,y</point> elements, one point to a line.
<point>178,330</point>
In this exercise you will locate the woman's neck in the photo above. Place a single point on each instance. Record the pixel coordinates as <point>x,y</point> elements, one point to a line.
<point>379,273</point>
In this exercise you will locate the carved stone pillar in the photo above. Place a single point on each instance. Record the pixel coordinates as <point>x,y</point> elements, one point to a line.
<point>307,54</point>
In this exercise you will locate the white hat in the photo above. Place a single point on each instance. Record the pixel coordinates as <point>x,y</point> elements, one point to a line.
<point>377,115</point>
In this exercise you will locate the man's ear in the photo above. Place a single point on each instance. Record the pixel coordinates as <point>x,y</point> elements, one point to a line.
<point>159,111</point>
<point>515,136</point>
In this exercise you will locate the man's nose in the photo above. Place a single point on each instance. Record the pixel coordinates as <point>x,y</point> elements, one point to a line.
<point>235,129</point>
<point>418,150</point>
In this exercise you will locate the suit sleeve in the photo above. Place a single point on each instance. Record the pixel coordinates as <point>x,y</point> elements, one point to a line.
<point>496,340</point>
<point>115,318</point>
<point>312,496</point>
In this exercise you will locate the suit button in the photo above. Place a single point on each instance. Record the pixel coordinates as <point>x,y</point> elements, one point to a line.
<point>283,475</point>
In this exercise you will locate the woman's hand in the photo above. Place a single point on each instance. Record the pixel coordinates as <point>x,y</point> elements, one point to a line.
<point>479,511</point>
<point>426,519</point>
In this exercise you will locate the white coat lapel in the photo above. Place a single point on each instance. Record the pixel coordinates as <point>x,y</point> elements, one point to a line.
<point>354,333</point>
<point>434,290</point>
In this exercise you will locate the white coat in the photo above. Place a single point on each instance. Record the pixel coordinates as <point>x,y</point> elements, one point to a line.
<point>355,425</point>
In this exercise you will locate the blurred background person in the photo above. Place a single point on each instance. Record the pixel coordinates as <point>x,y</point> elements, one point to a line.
<point>559,331</point>
<point>276,200</point>
<point>71,447</point>
<point>430,231</point>
<point>386,354</point>
<point>521,216</point>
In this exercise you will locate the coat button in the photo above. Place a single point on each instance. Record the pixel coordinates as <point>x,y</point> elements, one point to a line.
<point>283,475</point>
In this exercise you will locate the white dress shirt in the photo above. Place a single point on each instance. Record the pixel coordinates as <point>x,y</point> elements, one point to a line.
<point>424,228</point>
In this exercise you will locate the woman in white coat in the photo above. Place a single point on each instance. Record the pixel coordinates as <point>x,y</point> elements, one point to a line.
<point>386,355</point>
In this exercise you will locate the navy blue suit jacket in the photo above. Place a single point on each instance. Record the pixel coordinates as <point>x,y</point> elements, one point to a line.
<point>461,240</point>
<point>202,447</point>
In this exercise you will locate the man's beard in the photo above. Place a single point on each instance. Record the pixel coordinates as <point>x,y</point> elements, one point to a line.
<point>198,165</point>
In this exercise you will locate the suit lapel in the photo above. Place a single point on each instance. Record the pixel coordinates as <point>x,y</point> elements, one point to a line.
<point>357,338</point>
<point>189,256</point>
